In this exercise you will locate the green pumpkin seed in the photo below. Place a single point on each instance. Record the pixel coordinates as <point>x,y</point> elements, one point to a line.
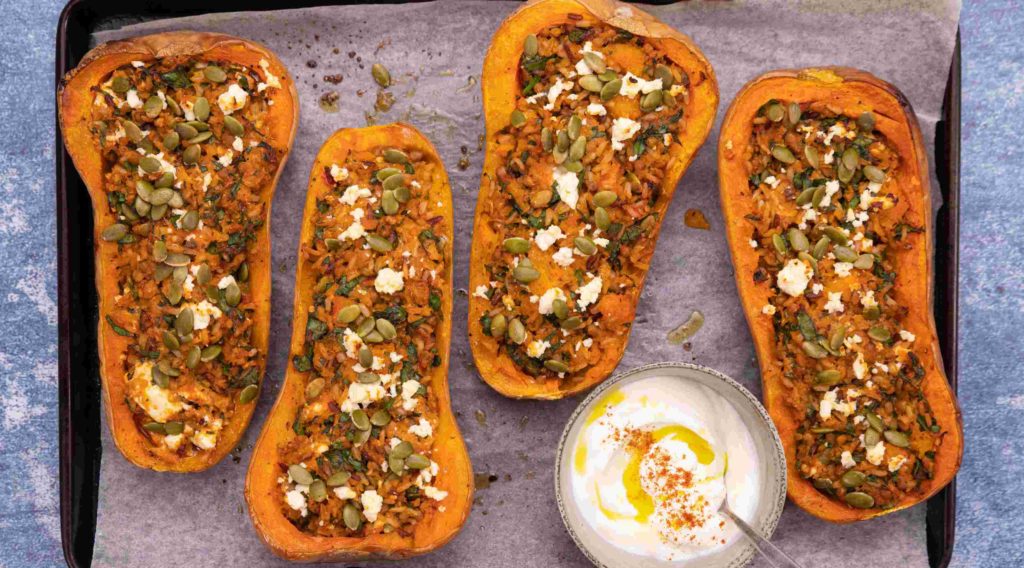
<point>805,196</point>
<point>348,314</point>
<point>779,242</point>
<point>161,272</point>
<point>872,313</point>
<point>516,331</point>
<point>129,212</point>
<point>132,131</point>
<point>806,257</point>
<point>386,329</point>
<point>190,220</point>
<point>775,112</point>
<point>601,219</point>
<point>401,450</point>
<point>191,155</point>
<point>851,159</point>
<point>835,341</point>
<point>381,75</point>
<point>591,83</point>
<point>556,366</point>
<point>234,126</point>
<point>173,293</point>
<point>609,75</point>
<point>651,101</point>
<point>853,478</point>
<point>560,308</point>
<point>232,294</point>
<point>170,340</point>
<point>547,140</point>
<point>814,350</point>
<point>866,121</point>
<point>173,105</point>
<point>215,74</point>
<point>174,428</point>
<point>820,248</point>
<point>203,274</point>
<point>199,138</point>
<point>559,155</point>
<point>171,141</point>
<point>338,478</point>
<point>385,173</point>
<point>153,106</point>
<point>516,245</point>
<point>318,490</point>
<point>585,245</point>
<point>844,254</point>
<point>605,198</point>
<point>177,259</point>
<point>577,150</point>
<point>595,62</point>
<point>859,500</point>
<point>150,165</point>
<point>365,326</point>
<point>367,378</point>
<point>530,45</point>
<point>201,109</point>
<point>872,437</point>
<point>879,333</point>
<point>811,154</point>
<point>574,167</point>
<point>120,85</point>
<point>783,154</point>
<point>141,207</point>
<point>160,379</point>
<point>332,244</point>
<point>380,418</point>
<point>823,484</point>
<point>114,232</point>
<point>498,326</point>
<point>360,419</point>
<point>351,517</point>
<point>665,74</point>
<point>865,261</point>
<point>180,273</point>
<point>185,130</point>
<point>874,421</point>
<point>525,274</point>
<point>144,189</point>
<point>396,465</point>
<point>176,201</point>
<point>248,394</point>
<point>388,203</point>
<point>562,141</point>
<point>365,357</point>
<point>819,196</point>
<point>403,194</point>
<point>157,212</point>
<point>379,243</point>
<point>845,174</point>
<point>574,127</point>
<point>610,89</point>
<point>300,474</point>
<point>417,461</point>
<point>873,173</point>
<point>571,323</point>
<point>836,235</point>
<point>393,156</point>
<point>793,113</point>
<point>210,353</point>
<point>797,239</point>
<point>517,118</point>
<point>154,427</point>
<point>184,323</point>
<point>394,182</point>
<point>828,377</point>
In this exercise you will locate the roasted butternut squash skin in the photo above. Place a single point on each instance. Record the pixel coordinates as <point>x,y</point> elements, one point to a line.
<point>823,172</point>
<point>657,102</point>
<point>338,419</point>
<point>267,124</point>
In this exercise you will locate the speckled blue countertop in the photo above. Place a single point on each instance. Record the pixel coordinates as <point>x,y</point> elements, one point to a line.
<point>990,527</point>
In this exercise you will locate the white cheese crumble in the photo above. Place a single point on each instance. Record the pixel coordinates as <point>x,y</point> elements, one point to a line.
<point>794,277</point>
<point>876,453</point>
<point>547,237</point>
<point>238,144</point>
<point>633,85</point>
<point>537,348</point>
<point>907,336</point>
<point>563,257</point>
<point>389,281</point>
<point>232,99</point>
<point>272,80</point>
<point>344,493</point>
<point>354,193</point>
<point>567,185</point>
<point>338,173</point>
<point>623,129</point>
<point>372,503</point>
<point>409,390</point>
<point>831,188</point>
<point>423,429</point>
<point>868,299</point>
<point>896,462</point>
<point>296,500</point>
<point>203,312</point>
<point>589,293</point>
<point>768,310</point>
<point>225,282</point>
<point>860,367</point>
<point>596,109</point>
<point>549,297</point>
<point>847,459</point>
<point>835,303</point>
<point>842,269</point>
<point>133,99</point>
<point>481,291</point>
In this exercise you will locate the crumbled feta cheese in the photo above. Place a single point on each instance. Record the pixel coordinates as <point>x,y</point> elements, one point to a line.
<point>596,109</point>
<point>794,277</point>
<point>817,288</point>
<point>232,99</point>
<point>389,281</point>
<point>352,343</point>
<point>547,237</point>
<point>296,500</point>
<point>633,85</point>
<point>353,193</point>
<point>338,173</point>
<point>372,503</point>
<point>567,185</point>
<point>545,302</point>
<point>860,367</point>
<point>344,493</point>
<point>271,80</point>
<point>623,129</point>
<point>896,462</point>
<point>557,89</point>
<point>537,348</point>
<point>835,303</point>
<point>831,188</point>
<point>753,243</point>
<point>768,310</point>
<point>238,144</point>
<point>434,493</point>
<point>589,293</point>
<point>225,282</point>
<point>563,257</point>
<point>481,291</point>
<point>772,181</point>
<point>847,459</point>
<point>423,429</point>
<point>226,159</point>
<point>133,99</point>
<point>409,390</point>
<point>867,299</point>
<point>842,269</point>
<point>876,453</point>
<point>826,404</point>
<point>907,336</point>
<point>202,313</point>
<point>204,439</point>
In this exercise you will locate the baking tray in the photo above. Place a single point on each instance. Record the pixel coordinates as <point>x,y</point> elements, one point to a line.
<point>78,374</point>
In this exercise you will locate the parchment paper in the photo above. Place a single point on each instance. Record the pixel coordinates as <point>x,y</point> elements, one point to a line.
<point>435,52</point>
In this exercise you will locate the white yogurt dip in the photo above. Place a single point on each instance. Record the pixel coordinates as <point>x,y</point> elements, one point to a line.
<point>651,464</point>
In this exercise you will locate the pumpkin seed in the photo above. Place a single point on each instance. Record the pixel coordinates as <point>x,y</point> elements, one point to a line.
<point>185,130</point>
<point>662,72</point>
<point>865,261</point>
<point>155,427</point>
<point>365,357</point>
<point>498,326</point>
<point>393,156</point>
<point>793,113</point>
<point>386,329</point>
<point>872,437</point>
<point>201,108</point>
<point>873,173</point>
<point>191,155</point>
<point>609,75</point>
<point>845,174</point>
<point>530,45</point>
<point>157,212</point>
<point>114,232</point>
<point>806,257</point>
<point>592,83</point>
<point>872,313</point>
<point>300,474</point>
<point>170,340</point>
<point>585,245</point>
<point>859,500</point>
<point>835,341</point>
<point>161,272</point>
<point>823,484</point>
<point>365,326</point>
<point>160,379</point>
<point>562,141</point>
<point>233,125</point>
<point>417,461</point>
<point>874,421</point>
<point>318,490</point>
<point>578,148</point>
<point>174,428</point>
<point>827,377</point>
<point>180,273</point>
<point>348,314</point>
<point>516,331</point>
<point>605,198</point>
<point>367,378</point>
<point>379,243</point>
<point>351,517</point>
<point>173,105</point>
<point>572,323</point>
<point>141,207</point>
<point>203,274</point>
<point>595,62</point>
<point>150,165</point>
<point>814,350</point>
<point>190,220</point>
<point>184,323</point>
<point>248,394</point>
<point>232,294</point>
<point>199,138</point>
<point>132,131</point>
<point>866,121</point>
<point>403,194</point>
<point>797,239</point>
<point>332,244</point>
<point>779,242</point>
<point>775,112</point>
<point>783,154</point>
<point>516,245</point>
<point>844,254</point>
<point>811,154</point>
<point>820,248</point>
<point>853,478</point>
<point>388,203</point>
<point>360,419</point>
<point>129,212</point>
<point>380,418</point>
<point>805,196</point>
<point>338,478</point>
<point>651,101</point>
<point>385,173</point>
<point>153,106</point>
<point>559,155</point>
<point>173,293</point>
<point>574,167</point>
<point>819,196</point>
<point>851,158</point>
<point>560,308</point>
<point>574,127</point>
<point>120,85</point>
<point>517,118</point>
<point>879,333</point>
<point>601,219</point>
<point>836,235</point>
<point>541,198</point>
<point>525,274</point>
<point>171,141</point>
<point>215,74</point>
<point>210,353</point>
<point>396,465</point>
<point>401,450</point>
<point>556,366</point>
<point>610,89</point>
<point>547,140</point>
<point>177,259</point>
<point>381,75</point>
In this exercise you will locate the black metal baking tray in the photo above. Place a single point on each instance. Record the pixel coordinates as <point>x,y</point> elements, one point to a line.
<point>78,365</point>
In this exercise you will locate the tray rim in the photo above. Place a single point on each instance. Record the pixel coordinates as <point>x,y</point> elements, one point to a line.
<point>940,509</point>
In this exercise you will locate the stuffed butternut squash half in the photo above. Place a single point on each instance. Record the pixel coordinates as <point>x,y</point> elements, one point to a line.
<point>594,110</point>
<point>361,456</point>
<point>180,139</point>
<point>824,187</point>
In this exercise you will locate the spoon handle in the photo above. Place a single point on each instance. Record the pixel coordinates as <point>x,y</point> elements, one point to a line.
<point>771,553</point>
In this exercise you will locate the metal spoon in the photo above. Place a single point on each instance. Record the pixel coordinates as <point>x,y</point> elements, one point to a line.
<point>771,553</point>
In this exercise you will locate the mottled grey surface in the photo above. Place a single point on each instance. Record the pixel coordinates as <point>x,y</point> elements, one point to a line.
<point>992,302</point>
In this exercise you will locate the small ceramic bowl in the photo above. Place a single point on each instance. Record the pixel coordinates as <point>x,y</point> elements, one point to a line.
<point>772,493</point>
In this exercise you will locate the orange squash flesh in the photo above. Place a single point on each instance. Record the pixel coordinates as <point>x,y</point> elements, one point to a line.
<point>262,492</point>
<point>851,93</point>
<point>74,97</point>
<point>500,84</point>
